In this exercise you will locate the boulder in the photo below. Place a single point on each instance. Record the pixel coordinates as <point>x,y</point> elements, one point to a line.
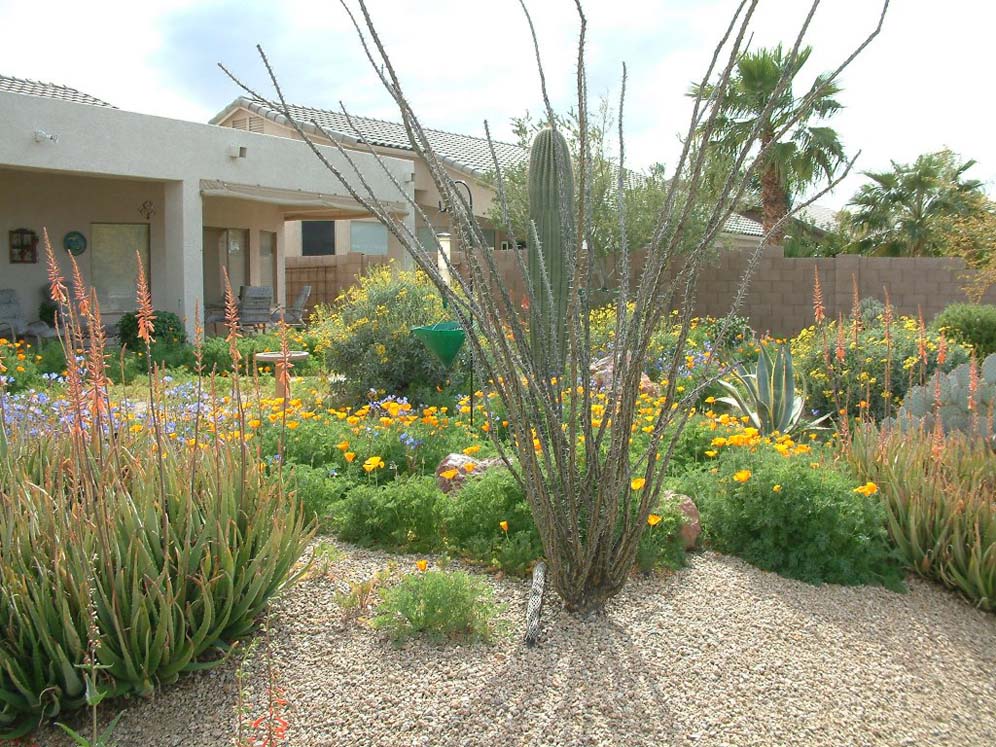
<point>454,469</point>
<point>691,529</point>
<point>603,371</point>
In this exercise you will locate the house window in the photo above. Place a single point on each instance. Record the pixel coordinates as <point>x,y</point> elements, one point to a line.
<point>112,262</point>
<point>427,238</point>
<point>317,238</point>
<point>368,237</point>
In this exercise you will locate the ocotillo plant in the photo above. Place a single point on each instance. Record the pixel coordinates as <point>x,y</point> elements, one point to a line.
<point>590,492</point>
<point>551,215</point>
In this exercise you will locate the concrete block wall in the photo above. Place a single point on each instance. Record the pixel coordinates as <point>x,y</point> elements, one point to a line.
<point>779,299</point>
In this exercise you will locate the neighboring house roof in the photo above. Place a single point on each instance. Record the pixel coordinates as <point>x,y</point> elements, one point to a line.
<point>463,152</point>
<point>819,216</point>
<point>9,84</point>
<point>741,224</point>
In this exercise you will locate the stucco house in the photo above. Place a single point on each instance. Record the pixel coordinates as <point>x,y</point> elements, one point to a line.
<point>190,199</point>
<point>466,157</point>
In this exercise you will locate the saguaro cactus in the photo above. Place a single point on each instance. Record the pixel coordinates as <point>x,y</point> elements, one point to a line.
<point>551,211</point>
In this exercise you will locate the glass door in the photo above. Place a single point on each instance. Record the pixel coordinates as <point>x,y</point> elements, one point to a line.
<point>225,250</point>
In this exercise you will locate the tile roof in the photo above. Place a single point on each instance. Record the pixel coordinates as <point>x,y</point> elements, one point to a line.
<point>465,152</point>
<point>819,216</point>
<point>10,84</point>
<point>743,225</point>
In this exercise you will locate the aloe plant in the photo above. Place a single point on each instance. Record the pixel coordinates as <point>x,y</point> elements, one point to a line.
<point>938,501</point>
<point>769,396</point>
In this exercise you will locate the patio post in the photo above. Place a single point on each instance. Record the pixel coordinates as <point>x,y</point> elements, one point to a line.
<point>183,242</point>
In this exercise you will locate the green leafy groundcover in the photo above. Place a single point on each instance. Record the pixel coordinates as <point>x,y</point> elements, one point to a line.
<point>800,518</point>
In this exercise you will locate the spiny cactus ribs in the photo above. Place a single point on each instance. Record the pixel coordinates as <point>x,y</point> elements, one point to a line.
<point>951,400</point>
<point>551,212</point>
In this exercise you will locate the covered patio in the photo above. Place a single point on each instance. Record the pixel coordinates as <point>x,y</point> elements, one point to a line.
<point>193,201</point>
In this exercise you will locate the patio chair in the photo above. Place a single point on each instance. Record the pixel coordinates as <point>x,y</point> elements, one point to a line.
<point>255,306</point>
<point>14,323</point>
<point>294,316</point>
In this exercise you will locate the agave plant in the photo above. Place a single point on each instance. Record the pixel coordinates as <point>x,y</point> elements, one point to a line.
<point>769,396</point>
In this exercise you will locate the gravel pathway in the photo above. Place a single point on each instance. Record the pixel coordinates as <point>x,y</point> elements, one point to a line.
<point>718,654</point>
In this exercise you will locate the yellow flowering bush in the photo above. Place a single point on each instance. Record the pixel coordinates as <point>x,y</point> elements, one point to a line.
<point>18,365</point>
<point>859,358</point>
<point>366,334</point>
<point>791,508</point>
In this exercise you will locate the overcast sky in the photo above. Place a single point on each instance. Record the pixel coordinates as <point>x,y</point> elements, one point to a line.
<point>924,84</point>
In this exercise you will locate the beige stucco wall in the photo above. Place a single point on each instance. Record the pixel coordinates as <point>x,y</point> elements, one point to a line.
<point>176,158</point>
<point>62,203</point>
<point>426,195</point>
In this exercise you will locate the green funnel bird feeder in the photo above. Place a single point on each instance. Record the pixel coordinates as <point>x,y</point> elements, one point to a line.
<point>444,340</point>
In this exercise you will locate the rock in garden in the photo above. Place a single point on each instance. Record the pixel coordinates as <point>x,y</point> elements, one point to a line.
<point>454,469</point>
<point>691,529</point>
<point>603,372</point>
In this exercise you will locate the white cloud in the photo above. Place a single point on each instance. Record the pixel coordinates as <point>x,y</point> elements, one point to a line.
<point>921,86</point>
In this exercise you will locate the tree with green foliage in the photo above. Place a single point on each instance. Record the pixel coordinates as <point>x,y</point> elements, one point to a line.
<point>643,192</point>
<point>906,212</point>
<point>797,151</point>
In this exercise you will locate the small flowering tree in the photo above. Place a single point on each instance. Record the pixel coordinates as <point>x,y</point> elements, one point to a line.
<point>591,494</point>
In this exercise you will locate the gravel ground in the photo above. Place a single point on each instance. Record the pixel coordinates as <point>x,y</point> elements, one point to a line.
<point>719,654</point>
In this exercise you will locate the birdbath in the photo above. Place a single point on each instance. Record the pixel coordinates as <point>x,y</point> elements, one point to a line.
<point>276,357</point>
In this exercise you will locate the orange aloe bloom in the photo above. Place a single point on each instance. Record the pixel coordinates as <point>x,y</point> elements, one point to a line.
<point>841,351</point>
<point>942,350</point>
<point>57,288</point>
<point>146,317</point>
<point>819,311</point>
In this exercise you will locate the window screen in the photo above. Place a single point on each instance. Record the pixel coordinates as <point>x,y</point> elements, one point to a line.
<point>112,263</point>
<point>368,237</point>
<point>317,238</point>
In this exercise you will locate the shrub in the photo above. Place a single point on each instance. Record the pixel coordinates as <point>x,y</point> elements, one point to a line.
<point>857,367</point>
<point>440,605</point>
<point>167,330</point>
<point>662,543</point>
<point>366,335</point>
<point>217,356</point>
<point>473,521</point>
<point>800,518</point>
<point>319,489</point>
<point>18,369</point>
<point>401,514</point>
<point>173,560</point>
<point>406,442</point>
<point>938,499</point>
<point>971,324</point>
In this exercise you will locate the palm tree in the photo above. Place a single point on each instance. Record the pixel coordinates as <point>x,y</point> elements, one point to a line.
<point>904,212</point>
<point>793,159</point>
